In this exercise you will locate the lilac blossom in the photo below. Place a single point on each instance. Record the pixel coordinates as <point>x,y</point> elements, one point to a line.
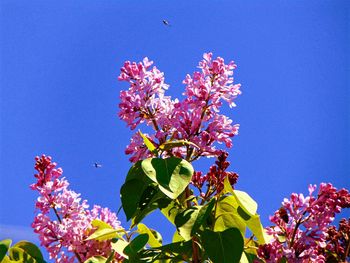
<point>301,225</point>
<point>196,119</point>
<point>63,221</point>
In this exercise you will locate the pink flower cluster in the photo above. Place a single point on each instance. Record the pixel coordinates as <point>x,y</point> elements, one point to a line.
<point>195,119</point>
<point>64,221</point>
<point>301,225</point>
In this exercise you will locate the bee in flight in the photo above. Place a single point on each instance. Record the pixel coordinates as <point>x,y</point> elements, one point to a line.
<point>166,22</point>
<point>97,165</point>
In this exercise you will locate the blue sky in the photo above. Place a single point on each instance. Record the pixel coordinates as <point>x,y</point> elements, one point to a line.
<point>59,92</point>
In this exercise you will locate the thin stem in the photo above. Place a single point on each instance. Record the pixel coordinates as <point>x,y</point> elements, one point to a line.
<point>207,194</point>
<point>195,250</point>
<point>188,194</point>
<point>151,116</point>
<point>299,222</point>
<point>60,221</point>
<point>57,215</point>
<point>78,257</point>
<point>347,250</point>
<point>195,255</point>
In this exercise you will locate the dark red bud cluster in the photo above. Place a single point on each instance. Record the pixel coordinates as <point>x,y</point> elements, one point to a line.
<point>217,173</point>
<point>338,242</point>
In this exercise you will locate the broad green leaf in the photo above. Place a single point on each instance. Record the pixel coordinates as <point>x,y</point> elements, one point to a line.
<point>18,254</point>
<point>249,257</point>
<point>244,259</point>
<point>226,215</point>
<point>153,237</point>
<point>119,247</point>
<point>149,195</point>
<point>177,237</point>
<point>203,214</point>
<point>104,231</point>
<point>228,220</point>
<point>104,234</point>
<point>182,250</point>
<point>168,145</point>
<point>130,194</point>
<point>30,249</point>
<point>148,143</point>
<point>246,202</point>
<point>257,229</point>
<point>136,245</point>
<point>96,259</point>
<point>185,220</point>
<point>136,172</point>
<point>170,211</point>
<point>243,214</point>
<point>100,224</point>
<point>4,246</point>
<point>223,247</point>
<point>111,257</point>
<point>171,174</point>
<point>227,186</point>
<point>157,200</point>
<point>140,196</point>
<point>6,259</point>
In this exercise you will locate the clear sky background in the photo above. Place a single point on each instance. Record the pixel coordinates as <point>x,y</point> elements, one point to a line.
<point>59,92</point>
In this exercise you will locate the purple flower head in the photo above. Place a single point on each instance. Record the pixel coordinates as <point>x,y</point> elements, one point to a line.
<point>195,119</point>
<point>301,225</point>
<point>63,221</point>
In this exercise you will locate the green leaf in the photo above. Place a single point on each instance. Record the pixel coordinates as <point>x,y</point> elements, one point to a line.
<point>100,224</point>
<point>111,257</point>
<point>170,211</point>
<point>136,172</point>
<point>177,237</point>
<point>4,246</point>
<point>168,145</point>
<point>229,220</point>
<point>30,249</point>
<point>248,257</point>
<point>227,186</point>
<point>246,202</point>
<point>96,259</point>
<point>140,196</point>
<point>244,259</point>
<point>202,216</point>
<point>130,194</point>
<point>223,247</point>
<point>257,229</point>
<point>6,259</point>
<point>136,245</point>
<point>104,234</point>
<point>148,143</point>
<point>104,231</point>
<point>154,237</point>
<point>171,174</point>
<point>158,200</point>
<point>226,215</point>
<point>181,250</point>
<point>242,213</point>
<point>185,220</point>
<point>18,254</point>
<point>119,247</point>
